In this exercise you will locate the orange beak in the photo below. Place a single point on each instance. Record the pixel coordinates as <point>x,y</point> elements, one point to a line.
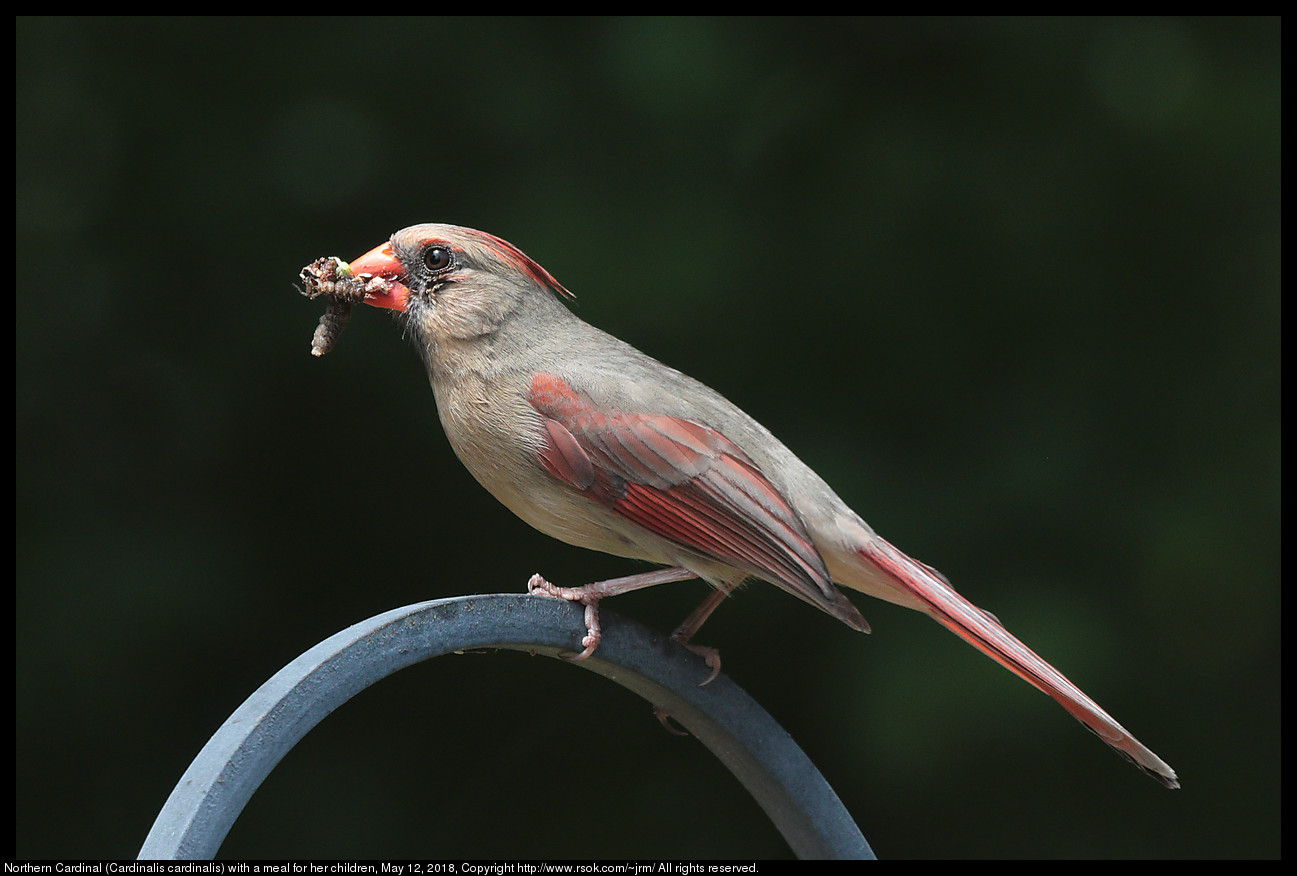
<point>381,262</point>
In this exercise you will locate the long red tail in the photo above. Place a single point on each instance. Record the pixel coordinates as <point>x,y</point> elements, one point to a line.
<point>981,630</point>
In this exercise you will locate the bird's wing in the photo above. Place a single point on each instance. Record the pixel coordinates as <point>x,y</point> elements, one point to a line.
<point>687,483</point>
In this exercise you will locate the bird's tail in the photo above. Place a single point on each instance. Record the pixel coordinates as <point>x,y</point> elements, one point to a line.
<point>984,632</point>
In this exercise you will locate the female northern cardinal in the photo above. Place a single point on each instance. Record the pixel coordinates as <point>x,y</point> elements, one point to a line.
<point>593,442</point>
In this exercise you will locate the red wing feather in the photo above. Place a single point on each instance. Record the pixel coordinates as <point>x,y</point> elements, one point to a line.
<point>685,482</point>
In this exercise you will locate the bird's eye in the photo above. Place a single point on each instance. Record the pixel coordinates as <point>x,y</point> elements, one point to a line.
<point>436,258</point>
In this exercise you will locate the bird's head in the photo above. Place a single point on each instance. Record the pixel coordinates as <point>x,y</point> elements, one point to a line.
<point>454,282</point>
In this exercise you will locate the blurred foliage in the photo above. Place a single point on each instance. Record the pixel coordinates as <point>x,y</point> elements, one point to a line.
<point>1011,285</point>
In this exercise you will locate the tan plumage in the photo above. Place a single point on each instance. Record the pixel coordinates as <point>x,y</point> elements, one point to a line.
<point>593,442</point>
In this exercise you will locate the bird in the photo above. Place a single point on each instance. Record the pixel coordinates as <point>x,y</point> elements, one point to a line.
<point>599,445</point>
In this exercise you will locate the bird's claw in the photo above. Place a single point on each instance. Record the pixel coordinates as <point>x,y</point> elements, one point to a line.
<point>668,723</point>
<point>538,586</point>
<point>711,656</point>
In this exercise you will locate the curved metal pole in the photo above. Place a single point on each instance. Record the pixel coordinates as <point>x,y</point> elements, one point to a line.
<point>220,781</point>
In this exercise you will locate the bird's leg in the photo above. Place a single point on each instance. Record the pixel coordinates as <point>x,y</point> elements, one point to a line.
<point>686,630</point>
<point>683,634</point>
<point>590,594</point>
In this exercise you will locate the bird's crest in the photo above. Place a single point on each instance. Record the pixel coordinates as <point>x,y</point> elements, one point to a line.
<point>526,264</point>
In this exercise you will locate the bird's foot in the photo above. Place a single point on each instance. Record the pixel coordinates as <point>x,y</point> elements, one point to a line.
<point>686,630</point>
<point>588,597</point>
<point>590,594</point>
<point>711,656</point>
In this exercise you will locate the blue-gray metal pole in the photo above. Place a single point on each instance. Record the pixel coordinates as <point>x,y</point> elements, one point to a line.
<point>221,780</point>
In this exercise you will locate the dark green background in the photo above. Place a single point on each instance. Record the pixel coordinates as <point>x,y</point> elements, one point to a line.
<point>1011,286</point>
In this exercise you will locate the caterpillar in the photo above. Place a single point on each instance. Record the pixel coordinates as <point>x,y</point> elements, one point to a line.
<point>332,277</point>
